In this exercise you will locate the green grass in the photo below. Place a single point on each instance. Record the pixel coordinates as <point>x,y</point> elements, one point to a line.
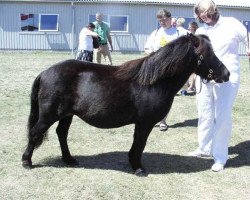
<point>104,172</point>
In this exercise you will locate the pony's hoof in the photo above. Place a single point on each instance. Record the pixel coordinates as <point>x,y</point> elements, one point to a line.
<point>141,172</point>
<point>27,164</point>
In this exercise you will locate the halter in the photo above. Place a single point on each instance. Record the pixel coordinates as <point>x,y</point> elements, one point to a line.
<point>210,74</point>
<point>210,71</point>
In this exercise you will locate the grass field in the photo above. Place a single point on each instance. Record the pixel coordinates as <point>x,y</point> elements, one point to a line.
<point>104,172</point>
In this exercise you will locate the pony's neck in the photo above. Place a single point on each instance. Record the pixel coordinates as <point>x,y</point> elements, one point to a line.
<point>179,80</point>
<point>172,62</point>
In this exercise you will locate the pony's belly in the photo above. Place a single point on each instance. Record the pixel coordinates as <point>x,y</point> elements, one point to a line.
<point>108,121</point>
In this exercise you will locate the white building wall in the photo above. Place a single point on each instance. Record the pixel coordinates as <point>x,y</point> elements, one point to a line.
<point>142,21</point>
<point>13,38</point>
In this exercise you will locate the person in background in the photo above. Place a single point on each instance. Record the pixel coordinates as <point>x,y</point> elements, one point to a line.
<point>192,27</point>
<point>159,38</point>
<point>103,30</point>
<point>173,23</point>
<point>180,25</point>
<point>85,47</point>
<point>215,100</point>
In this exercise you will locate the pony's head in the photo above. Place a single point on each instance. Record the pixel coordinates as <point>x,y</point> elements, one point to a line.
<point>209,67</point>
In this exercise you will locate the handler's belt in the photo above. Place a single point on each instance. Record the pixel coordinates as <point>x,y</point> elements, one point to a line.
<point>103,43</point>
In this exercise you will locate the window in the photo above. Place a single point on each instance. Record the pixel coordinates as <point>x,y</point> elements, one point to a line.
<point>29,22</point>
<point>48,22</point>
<point>117,23</point>
<point>39,22</point>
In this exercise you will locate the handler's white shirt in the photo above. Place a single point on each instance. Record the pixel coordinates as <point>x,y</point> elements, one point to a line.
<point>225,37</point>
<point>85,41</point>
<point>160,37</point>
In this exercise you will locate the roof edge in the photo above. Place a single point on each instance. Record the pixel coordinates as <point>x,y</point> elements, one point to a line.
<point>123,2</point>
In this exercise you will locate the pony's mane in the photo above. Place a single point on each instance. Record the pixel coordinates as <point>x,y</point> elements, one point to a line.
<point>166,62</point>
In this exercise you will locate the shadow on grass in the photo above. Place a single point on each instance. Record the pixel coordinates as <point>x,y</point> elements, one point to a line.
<point>190,122</point>
<point>155,163</point>
<point>242,151</point>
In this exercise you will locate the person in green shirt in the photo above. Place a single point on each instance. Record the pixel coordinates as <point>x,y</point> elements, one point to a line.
<point>103,31</point>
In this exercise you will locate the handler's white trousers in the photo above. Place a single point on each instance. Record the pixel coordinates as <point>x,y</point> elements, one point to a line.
<point>214,104</point>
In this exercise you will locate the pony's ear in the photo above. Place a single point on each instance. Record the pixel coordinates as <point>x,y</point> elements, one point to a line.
<point>194,39</point>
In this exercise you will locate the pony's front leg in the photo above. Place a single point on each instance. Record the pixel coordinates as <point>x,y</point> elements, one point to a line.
<point>141,134</point>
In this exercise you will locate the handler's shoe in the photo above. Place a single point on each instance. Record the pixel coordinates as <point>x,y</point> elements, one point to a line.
<point>217,167</point>
<point>184,93</point>
<point>163,127</point>
<point>198,153</point>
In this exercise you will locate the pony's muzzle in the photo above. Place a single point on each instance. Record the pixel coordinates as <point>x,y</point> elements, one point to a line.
<point>224,76</point>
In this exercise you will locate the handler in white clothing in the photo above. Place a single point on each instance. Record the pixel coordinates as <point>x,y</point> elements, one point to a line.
<point>215,101</point>
<point>159,38</point>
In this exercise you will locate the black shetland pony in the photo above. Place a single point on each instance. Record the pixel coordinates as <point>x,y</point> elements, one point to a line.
<point>137,92</point>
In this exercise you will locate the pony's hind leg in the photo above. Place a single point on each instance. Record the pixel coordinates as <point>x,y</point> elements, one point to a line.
<point>62,133</point>
<point>141,134</point>
<point>36,136</point>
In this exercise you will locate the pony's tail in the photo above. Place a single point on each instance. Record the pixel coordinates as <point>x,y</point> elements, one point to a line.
<point>34,111</point>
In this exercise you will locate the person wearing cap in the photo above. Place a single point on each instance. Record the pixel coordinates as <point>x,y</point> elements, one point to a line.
<point>85,47</point>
